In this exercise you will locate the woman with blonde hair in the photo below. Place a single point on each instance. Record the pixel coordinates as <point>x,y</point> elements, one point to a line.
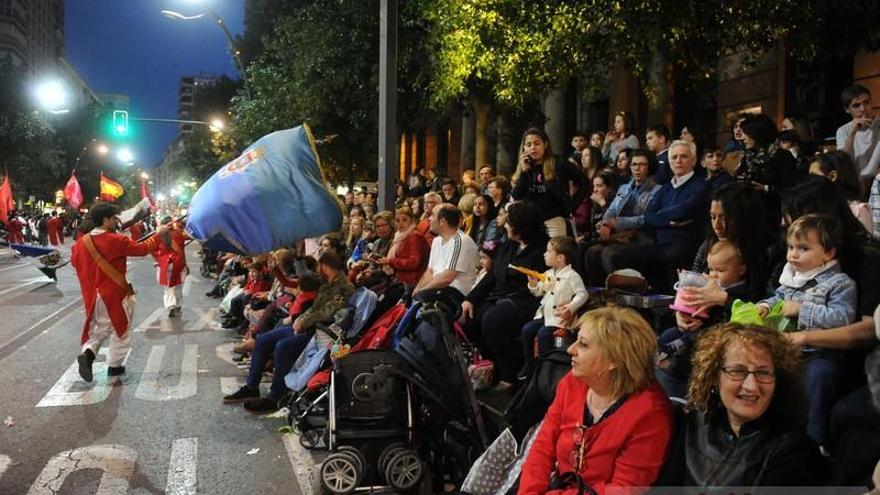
<point>542,178</point>
<point>745,421</point>
<point>610,422</point>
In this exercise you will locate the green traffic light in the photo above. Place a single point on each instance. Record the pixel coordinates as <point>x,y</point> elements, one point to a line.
<point>120,123</point>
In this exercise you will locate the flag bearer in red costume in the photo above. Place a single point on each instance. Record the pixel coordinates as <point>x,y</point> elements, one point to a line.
<point>14,228</point>
<point>55,227</point>
<point>171,258</point>
<point>99,259</point>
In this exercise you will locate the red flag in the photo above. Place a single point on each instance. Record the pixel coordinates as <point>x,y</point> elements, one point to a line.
<point>145,192</point>
<point>72,192</point>
<point>110,189</point>
<point>7,204</point>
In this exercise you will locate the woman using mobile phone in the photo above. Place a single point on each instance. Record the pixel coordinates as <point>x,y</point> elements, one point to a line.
<point>543,178</point>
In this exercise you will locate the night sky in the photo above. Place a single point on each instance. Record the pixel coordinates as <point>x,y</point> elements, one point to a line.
<point>128,47</point>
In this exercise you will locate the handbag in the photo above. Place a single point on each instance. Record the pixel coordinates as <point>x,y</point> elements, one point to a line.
<point>499,467</point>
<point>227,299</point>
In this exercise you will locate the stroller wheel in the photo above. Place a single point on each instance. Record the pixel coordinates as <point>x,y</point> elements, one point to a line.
<point>357,456</point>
<point>387,454</point>
<point>339,473</point>
<point>310,439</point>
<point>404,470</point>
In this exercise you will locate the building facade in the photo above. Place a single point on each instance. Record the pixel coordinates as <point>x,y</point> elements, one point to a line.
<point>32,34</point>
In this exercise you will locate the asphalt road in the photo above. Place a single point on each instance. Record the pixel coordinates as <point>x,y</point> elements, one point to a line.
<point>162,428</point>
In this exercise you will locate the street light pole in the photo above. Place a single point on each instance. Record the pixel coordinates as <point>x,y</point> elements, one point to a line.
<point>389,163</point>
<point>236,53</point>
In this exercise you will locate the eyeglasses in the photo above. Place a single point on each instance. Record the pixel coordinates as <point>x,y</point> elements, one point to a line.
<point>579,447</point>
<point>739,374</point>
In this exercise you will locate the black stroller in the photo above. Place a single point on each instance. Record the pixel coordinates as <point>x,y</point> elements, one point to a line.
<point>370,425</point>
<point>393,414</point>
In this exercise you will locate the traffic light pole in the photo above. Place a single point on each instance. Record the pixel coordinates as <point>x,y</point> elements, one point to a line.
<point>176,121</point>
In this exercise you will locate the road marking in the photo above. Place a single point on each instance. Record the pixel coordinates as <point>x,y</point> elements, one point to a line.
<point>187,386</point>
<point>148,323</point>
<point>206,320</point>
<point>5,462</point>
<point>302,461</point>
<point>13,267</point>
<point>39,280</point>
<point>187,284</point>
<point>68,390</point>
<point>40,323</point>
<point>115,461</point>
<point>182,471</point>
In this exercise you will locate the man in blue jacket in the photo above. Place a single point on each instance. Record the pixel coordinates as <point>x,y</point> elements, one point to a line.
<point>678,216</point>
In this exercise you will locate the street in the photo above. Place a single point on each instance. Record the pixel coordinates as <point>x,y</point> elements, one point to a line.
<point>161,428</point>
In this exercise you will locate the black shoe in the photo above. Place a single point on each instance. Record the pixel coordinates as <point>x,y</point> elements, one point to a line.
<point>261,405</point>
<point>115,370</point>
<point>245,393</point>
<point>85,361</point>
<point>231,323</point>
<point>524,372</point>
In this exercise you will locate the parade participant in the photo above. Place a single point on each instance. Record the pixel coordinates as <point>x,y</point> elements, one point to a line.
<point>136,231</point>
<point>99,259</point>
<point>54,227</point>
<point>172,268</point>
<point>14,228</point>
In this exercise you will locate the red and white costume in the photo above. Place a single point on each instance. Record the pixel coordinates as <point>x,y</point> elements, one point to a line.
<point>136,231</point>
<point>109,305</point>
<point>172,267</point>
<point>14,230</point>
<point>54,227</point>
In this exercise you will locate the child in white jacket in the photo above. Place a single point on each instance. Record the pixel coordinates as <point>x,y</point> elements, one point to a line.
<point>563,292</point>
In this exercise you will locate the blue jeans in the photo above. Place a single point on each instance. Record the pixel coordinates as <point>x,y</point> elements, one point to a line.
<point>284,347</point>
<point>674,378</point>
<point>823,372</point>
<point>536,329</point>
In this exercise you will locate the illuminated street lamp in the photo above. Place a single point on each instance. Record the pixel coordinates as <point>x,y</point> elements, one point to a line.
<point>125,156</point>
<point>52,96</point>
<point>217,125</point>
<point>236,53</point>
<point>145,175</point>
<point>102,149</point>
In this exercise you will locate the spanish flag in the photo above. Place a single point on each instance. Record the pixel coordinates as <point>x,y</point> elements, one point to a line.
<point>110,189</point>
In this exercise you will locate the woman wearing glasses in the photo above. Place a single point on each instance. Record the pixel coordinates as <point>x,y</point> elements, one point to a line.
<point>745,423</point>
<point>610,423</point>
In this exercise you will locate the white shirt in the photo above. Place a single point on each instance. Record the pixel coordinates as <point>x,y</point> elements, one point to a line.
<point>865,147</point>
<point>459,253</point>
<point>680,181</point>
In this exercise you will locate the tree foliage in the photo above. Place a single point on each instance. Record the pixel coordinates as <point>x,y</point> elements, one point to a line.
<point>517,49</point>
<point>321,66</point>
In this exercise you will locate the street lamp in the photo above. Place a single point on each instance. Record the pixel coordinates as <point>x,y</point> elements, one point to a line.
<point>217,125</point>
<point>52,96</point>
<point>236,53</point>
<point>102,149</point>
<point>125,156</point>
<point>145,175</point>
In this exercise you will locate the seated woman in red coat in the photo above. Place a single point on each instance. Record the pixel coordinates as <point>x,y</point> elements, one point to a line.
<point>408,254</point>
<point>610,423</point>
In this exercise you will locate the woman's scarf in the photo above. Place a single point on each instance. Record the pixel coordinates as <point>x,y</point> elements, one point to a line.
<point>399,236</point>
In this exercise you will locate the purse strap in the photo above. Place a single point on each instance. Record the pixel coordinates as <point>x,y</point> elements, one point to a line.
<point>115,275</point>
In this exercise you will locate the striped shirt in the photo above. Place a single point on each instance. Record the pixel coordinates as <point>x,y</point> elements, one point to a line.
<point>460,254</point>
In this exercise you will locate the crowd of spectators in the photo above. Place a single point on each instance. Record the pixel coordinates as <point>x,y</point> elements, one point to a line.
<point>764,219</point>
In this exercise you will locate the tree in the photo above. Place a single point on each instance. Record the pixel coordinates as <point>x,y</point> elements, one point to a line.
<point>320,66</point>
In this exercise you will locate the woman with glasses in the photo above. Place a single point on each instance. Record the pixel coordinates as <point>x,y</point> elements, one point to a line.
<point>745,423</point>
<point>610,423</point>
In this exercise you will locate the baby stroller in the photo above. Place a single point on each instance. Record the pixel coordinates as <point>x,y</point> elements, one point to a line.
<point>370,425</point>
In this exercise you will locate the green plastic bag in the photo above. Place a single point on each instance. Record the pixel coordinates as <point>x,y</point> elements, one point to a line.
<point>746,313</point>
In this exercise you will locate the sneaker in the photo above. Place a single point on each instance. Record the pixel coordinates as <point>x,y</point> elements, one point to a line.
<point>244,393</point>
<point>231,323</point>
<point>824,452</point>
<point>115,370</point>
<point>261,405</point>
<point>241,357</point>
<point>524,372</point>
<point>85,361</point>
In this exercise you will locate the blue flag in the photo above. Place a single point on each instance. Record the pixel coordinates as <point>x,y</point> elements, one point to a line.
<point>269,197</point>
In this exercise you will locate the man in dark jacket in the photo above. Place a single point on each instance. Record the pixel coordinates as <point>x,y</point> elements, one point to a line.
<point>678,216</point>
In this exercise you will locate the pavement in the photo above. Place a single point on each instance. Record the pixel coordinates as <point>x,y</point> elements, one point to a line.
<point>162,428</point>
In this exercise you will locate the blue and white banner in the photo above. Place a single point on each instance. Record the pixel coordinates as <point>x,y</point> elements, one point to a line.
<point>271,196</point>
